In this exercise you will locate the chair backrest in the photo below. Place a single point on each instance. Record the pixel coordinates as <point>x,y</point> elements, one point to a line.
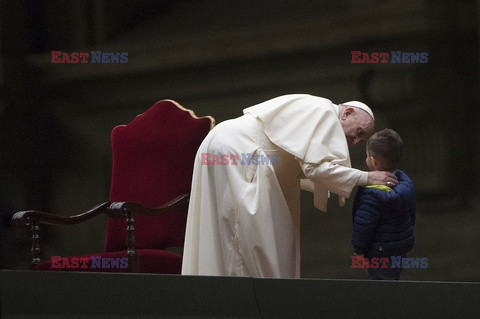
<point>152,163</point>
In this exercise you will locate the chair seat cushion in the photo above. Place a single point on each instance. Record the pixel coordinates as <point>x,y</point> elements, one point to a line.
<point>150,261</point>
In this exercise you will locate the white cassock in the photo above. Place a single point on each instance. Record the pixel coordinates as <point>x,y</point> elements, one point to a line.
<point>244,219</point>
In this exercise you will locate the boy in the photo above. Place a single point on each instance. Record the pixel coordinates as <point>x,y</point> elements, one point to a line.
<point>384,217</point>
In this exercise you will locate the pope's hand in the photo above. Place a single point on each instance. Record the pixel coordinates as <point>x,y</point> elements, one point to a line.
<point>381,178</point>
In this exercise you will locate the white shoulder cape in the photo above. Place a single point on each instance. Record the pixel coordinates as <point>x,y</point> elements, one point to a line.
<point>307,127</point>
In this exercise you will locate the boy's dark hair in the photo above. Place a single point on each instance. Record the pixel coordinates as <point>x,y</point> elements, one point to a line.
<point>386,145</point>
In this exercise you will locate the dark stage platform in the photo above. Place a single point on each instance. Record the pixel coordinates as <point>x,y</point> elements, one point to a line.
<point>27,294</point>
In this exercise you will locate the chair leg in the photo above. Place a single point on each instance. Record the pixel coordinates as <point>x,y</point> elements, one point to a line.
<point>133,264</point>
<point>131,254</point>
<point>36,252</point>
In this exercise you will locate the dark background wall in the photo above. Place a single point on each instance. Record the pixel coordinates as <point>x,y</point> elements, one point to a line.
<point>218,57</point>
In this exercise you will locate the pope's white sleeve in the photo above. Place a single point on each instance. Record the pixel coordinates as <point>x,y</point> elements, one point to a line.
<point>339,179</point>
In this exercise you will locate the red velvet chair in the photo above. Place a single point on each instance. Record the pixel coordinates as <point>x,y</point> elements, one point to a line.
<point>152,170</point>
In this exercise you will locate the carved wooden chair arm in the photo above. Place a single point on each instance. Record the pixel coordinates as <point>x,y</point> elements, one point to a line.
<point>33,219</point>
<point>25,218</point>
<point>119,209</point>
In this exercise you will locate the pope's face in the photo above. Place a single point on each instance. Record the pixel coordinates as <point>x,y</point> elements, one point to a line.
<point>357,125</point>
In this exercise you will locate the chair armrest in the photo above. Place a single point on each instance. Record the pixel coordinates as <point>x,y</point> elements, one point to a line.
<point>24,218</point>
<point>33,219</point>
<point>119,209</point>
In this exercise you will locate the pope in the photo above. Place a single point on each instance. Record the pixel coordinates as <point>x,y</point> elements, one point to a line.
<point>244,220</point>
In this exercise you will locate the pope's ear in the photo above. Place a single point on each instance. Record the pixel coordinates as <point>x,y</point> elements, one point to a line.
<point>348,111</point>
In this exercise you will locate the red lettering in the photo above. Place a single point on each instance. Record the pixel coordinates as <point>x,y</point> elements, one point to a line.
<point>55,56</point>
<point>56,262</point>
<point>225,159</point>
<point>366,263</point>
<point>216,160</point>
<point>233,158</point>
<point>384,56</point>
<point>384,261</point>
<point>365,58</point>
<point>65,263</point>
<point>74,262</point>
<point>356,57</point>
<point>205,157</point>
<point>65,57</point>
<point>84,262</point>
<point>374,57</point>
<point>74,57</point>
<point>357,262</point>
<point>84,56</point>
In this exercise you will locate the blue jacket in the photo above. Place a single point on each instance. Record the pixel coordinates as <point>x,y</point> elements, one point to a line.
<point>384,218</point>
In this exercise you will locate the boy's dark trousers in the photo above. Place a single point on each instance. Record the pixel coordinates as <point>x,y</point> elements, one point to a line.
<point>387,273</point>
